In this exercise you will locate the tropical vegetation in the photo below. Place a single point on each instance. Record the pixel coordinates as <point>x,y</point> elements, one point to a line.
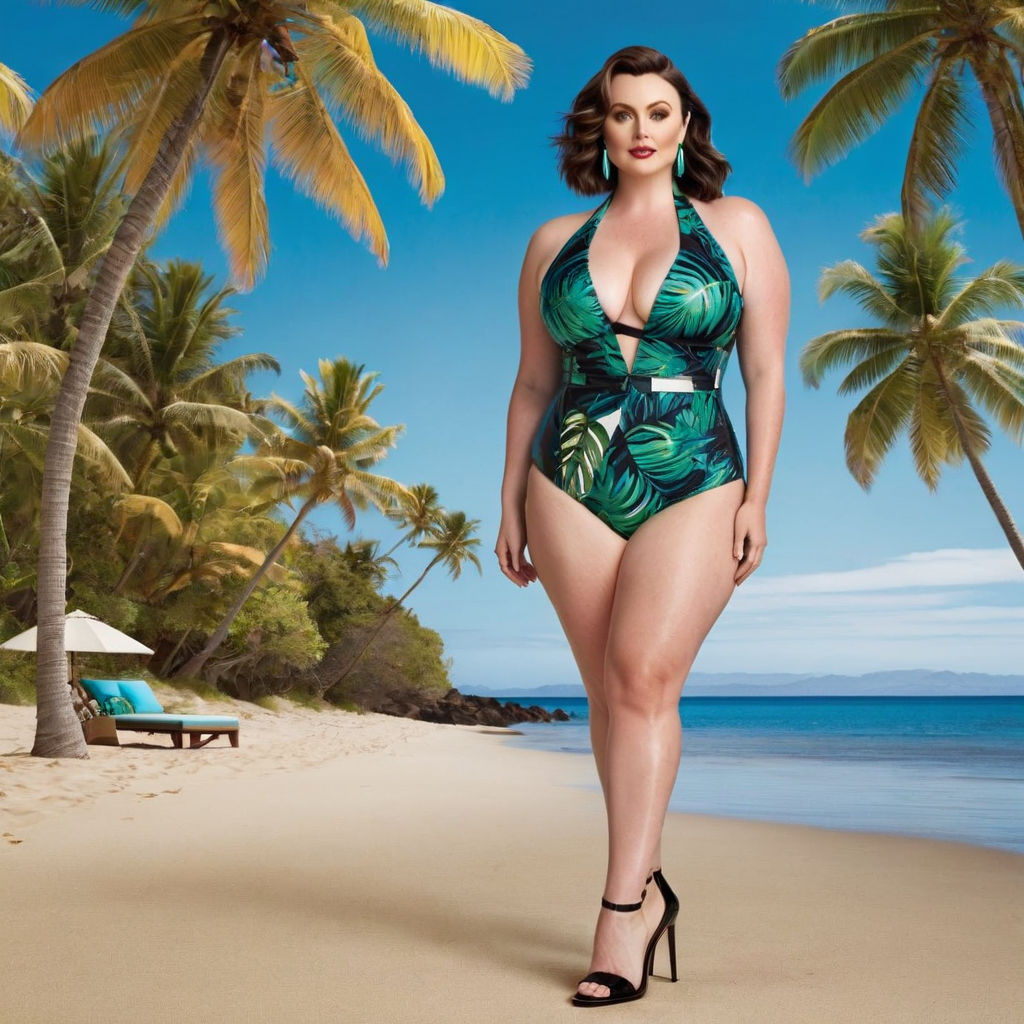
<point>881,53</point>
<point>939,357</point>
<point>942,356</point>
<point>229,83</point>
<point>232,84</point>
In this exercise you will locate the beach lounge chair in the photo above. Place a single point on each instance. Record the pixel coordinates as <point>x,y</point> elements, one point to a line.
<point>148,715</point>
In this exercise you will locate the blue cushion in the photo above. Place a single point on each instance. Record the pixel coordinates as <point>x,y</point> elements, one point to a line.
<point>141,697</point>
<point>100,689</point>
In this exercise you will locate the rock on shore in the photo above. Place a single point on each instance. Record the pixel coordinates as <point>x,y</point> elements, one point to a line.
<point>455,708</point>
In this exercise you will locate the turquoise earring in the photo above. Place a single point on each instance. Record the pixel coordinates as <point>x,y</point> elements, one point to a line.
<point>605,166</point>
<point>680,162</point>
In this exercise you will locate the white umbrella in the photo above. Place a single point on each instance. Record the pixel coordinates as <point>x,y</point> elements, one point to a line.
<point>82,632</point>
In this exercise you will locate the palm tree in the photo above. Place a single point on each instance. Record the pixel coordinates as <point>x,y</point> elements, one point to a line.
<point>55,224</point>
<point>889,49</point>
<point>326,458</point>
<point>219,77</point>
<point>418,515</point>
<point>453,541</point>
<point>940,351</point>
<point>361,559</point>
<point>173,393</point>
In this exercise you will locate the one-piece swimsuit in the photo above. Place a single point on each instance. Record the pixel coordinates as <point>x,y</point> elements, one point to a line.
<point>611,437</point>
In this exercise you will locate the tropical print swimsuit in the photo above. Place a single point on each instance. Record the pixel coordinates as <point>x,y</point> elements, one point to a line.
<point>628,442</point>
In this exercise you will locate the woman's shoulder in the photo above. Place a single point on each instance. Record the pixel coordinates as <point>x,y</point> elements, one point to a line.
<point>741,215</point>
<point>550,236</point>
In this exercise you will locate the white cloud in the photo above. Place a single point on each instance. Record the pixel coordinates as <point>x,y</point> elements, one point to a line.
<point>946,567</point>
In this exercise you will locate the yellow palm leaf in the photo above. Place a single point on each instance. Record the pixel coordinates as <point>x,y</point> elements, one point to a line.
<point>104,88</point>
<point>15,100</point>
<point>467,47</point>
<point>239,154</point>
<point>343,67</point>
<point>310,151</point>
<point>153,118</point>
<point>146,506</point>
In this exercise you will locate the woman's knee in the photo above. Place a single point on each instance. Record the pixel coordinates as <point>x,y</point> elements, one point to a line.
<point>636,682</point>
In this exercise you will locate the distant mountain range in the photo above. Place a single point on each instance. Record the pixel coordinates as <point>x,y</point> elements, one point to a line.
<point>905,683</point>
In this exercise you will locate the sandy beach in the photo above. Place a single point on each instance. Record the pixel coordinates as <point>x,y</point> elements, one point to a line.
<point>357,868</point>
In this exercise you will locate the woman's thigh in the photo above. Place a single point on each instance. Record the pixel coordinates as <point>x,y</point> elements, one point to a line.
<point>674,580</point>
<point>577,560</point>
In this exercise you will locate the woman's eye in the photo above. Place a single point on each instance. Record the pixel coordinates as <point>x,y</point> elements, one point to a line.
<point>621,115</point>
<point>659,115</point>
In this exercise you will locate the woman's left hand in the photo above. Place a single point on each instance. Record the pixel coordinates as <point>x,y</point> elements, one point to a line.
<point>750,539</point>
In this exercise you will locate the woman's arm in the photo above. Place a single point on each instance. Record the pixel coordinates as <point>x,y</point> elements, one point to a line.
<point>538,378</point>
<point>760,348</point>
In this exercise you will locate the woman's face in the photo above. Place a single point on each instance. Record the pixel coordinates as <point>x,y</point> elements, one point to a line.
<point>644,124</point>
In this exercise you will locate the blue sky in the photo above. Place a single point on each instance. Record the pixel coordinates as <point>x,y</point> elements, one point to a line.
<point>852,581</point>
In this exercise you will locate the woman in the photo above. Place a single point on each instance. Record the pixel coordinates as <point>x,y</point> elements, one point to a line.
<point>622,470</point>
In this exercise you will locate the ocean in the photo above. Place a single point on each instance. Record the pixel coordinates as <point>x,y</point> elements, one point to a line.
<point>941,767</point>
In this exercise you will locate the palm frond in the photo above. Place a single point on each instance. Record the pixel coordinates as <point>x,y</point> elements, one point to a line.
<point>464,46</point>
<point>15,100</point>
<point>1002,284</point>
<point>344,68</point>
<point>873,368</point>
<point>1002,94</point>
<point>311,153</point>
<point>24,361</point>
<point>210,416</point>
<point>858,104</point>
<point>239,154</point>
<point>93,450</point>
<point>876,421</point>
<point>932,433</point>
<point>850,278</point>
<point>163,103</point>
<point>233,372</point>
<point>152,508</point>
<point>837,348</point>
<point>999,388</point>
<point>937,139</point>
<point>103,89</point>
<point>846,42</point>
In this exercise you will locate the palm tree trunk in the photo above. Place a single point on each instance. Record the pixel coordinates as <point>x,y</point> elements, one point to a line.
<point>169,661</point>
<point>999,88</point>
<point>195,664</point>
<point>383,621</point>
<point>58,732</point>
<point>398,543</point>
<point>1009,527</point>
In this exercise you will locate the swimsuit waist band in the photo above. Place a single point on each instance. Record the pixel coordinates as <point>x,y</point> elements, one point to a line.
<point>699,380</point>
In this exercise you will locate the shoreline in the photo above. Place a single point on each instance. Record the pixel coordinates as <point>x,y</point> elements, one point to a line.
<point>361,868</point>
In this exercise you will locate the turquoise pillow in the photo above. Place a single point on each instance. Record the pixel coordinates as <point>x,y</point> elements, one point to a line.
<point>117,706</point>
<point>141,697</point>
<point>100,689</point>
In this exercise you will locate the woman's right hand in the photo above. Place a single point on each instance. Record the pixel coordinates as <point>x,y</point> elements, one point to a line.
<point>509,548</point>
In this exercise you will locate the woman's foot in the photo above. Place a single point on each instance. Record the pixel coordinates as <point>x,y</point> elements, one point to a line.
<point>620,941</point>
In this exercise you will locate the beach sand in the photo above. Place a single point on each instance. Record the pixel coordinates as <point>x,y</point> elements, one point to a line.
<point>357,868</point>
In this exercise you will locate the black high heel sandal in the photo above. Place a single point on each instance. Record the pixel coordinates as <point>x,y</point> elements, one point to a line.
<point>671,913</point>
<point>621,990</point>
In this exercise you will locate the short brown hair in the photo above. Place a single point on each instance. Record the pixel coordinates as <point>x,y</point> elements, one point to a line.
<point>580,143</point>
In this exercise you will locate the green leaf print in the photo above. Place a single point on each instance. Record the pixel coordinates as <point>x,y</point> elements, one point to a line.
<point>581,447</point>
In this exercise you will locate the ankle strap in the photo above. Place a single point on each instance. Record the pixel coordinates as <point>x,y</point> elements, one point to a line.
<point>625,907</point>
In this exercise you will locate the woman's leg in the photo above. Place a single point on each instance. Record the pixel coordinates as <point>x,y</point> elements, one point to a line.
<point>674,579</point>
<point>577,561</point>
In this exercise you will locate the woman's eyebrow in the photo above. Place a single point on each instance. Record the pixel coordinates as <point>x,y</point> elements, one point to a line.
<point>649,105</point>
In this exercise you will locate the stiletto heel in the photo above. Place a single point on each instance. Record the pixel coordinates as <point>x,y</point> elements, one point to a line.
<point>671,913</point>
<point>622,990</point>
